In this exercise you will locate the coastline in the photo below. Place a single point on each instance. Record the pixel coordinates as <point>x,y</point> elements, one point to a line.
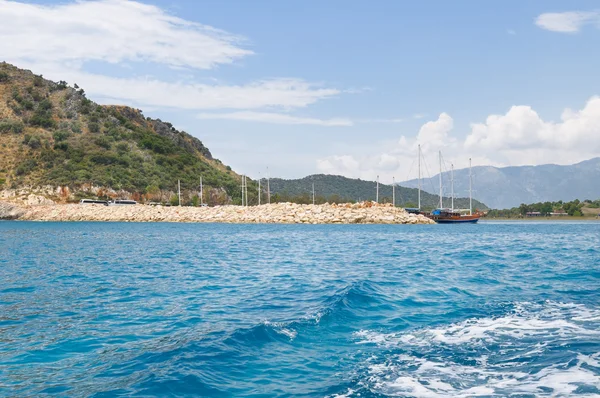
<point>541,219</point>
<point>280,213</point>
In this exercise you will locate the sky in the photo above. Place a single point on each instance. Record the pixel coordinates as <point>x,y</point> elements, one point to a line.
<point>292,88</point>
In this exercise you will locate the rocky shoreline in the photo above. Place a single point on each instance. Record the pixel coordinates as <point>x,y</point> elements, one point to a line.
<point>280,213</point>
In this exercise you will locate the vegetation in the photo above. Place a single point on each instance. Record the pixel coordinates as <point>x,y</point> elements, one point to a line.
<point>11,126</point>
<point>573,208</point>
<point>68,140</point>
<point>337,189</point>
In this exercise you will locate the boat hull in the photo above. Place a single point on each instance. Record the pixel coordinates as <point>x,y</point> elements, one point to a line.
<point>450,217</point>
<point>457,221</point>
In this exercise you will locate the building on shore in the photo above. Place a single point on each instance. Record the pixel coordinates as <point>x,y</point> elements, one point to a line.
<point>559,213</point>
<point>533,214</point>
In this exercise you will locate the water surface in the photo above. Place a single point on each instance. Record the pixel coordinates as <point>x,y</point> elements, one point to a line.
<point>126,309</point>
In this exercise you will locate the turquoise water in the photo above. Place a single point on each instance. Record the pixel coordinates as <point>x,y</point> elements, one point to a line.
<point>118,309</point>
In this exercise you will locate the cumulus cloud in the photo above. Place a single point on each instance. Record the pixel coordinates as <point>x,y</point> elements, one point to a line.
<point>275,118</point>
<point>567,22</point>
<point>524,137</point>
<point>518,137</point>
<point>112,31</point>
<point>60,40</point>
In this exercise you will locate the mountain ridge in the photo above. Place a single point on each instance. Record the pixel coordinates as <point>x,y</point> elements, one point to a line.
<point>510,186</point>
<point>354,189</point>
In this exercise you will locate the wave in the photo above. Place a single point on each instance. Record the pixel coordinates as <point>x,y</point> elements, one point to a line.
<point>343,305</point>
<point>544,349</point>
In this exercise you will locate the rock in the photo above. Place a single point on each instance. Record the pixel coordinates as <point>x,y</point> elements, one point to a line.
<point>9,211</point>
<point>285,213</point>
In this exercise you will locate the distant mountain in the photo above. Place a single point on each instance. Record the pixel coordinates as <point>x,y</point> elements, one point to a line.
<point>506,187</point>
<point>332,186</point>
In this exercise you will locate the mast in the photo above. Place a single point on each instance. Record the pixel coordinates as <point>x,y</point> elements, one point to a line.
<point>259,192</point>
<point>246,188</point>
<point>394,191</point>
<point>313,186</point>
<point>377,197</point>
<point>179,191</point>
<point>470,189</point>
<point>242,190</point>
<point>452,183</point>
<point>268,187</point>
<point>419,176</point>
<point>441,200</point>
<point>201,192</point>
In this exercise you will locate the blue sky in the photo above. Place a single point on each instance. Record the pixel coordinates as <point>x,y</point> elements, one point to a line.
<point>344,87</point>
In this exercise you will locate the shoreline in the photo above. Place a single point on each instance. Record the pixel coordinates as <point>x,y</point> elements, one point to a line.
<point>279,213</point>
<point>541,219</point>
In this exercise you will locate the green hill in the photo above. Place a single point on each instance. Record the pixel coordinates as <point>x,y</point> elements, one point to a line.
<point>337,188</point>
<point>52,135</point>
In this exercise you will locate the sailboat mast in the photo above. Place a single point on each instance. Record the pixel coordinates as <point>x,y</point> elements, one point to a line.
<point>179,191</point>
<point>470,189</point>
<point>259,192</point>
<point>419,176</point>
<point>201,192</point>
<point>394,191</point>
<point>441,201</point>
<point>313,187</point>
<point>242,190</point>
<point>268,187</point>
<point>377,196</point>
<point>452,183</point>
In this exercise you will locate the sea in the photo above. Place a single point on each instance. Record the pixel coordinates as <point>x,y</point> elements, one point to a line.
<point>222,310</point>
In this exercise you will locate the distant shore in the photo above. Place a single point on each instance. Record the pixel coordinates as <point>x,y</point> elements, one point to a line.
<point>280,213</point>
<point>541,219</point>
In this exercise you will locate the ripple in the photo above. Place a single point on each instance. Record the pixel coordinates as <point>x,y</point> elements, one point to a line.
<point>113,309</point>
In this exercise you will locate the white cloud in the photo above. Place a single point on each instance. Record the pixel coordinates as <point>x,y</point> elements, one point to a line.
<point>524,137</point>
<point>112,31</point>
<point>511,32</point>
<point>276,118</point>
<point>60,40</point>
<point>567,22</point>
<point>518,137</point>
<point>283,93</point>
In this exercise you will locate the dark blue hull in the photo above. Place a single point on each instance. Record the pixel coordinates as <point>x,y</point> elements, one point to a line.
<point>450,221</point>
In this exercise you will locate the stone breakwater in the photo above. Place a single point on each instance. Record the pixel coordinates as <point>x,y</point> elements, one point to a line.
<point>280,213</point>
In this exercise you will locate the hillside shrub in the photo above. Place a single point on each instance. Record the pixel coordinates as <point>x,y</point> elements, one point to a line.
<point>28,105</point>
<point>94,127</point>
<point>33,142</point>
<point>61,146</point>
<point>42,119</point>
<point>61,135</point>
<point>4,77</point>
<point>11,126</point>
<point>45,105</point>
<point>26,167</point>
<point>38,81</point>
<point>103,142</point>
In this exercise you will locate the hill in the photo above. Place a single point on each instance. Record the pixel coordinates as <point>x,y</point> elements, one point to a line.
<point>51,136</point>
<point>337,188</point>
<point>507,187</point>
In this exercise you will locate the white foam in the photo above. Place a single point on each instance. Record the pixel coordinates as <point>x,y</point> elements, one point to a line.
<point>504,343</point>
<point>428,378</point>
<point>526,321</point>
<point>281,328</point>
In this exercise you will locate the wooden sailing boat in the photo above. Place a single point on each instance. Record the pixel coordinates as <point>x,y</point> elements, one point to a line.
<point>450,216</point>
